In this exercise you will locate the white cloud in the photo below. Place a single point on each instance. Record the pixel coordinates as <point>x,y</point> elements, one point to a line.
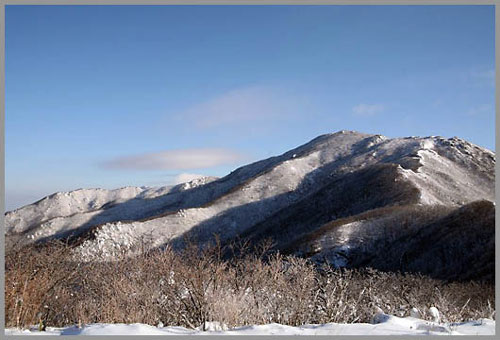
<point>181,159</point>
<point>367,109</point>
<point>242,106</point>
<point>488,74</point>
<point>185,177</point>
<point>480,109</point>
<point>482,77</point>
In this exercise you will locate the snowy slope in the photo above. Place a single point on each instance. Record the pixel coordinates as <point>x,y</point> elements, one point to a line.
<point>449,172</point>
<point>66,204</point>
<point>391,326</point>
<point>439,241</point>
<point>62,213</point>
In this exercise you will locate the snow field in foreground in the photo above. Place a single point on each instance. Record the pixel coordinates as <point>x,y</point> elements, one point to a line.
<point>390,326</point>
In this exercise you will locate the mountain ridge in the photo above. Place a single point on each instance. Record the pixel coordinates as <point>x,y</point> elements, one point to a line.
<point>331,177</point>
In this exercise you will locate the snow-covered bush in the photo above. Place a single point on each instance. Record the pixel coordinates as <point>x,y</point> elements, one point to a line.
<point>196,288</point>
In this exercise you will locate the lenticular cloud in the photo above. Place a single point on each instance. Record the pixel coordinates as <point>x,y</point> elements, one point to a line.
<point>176,159</point>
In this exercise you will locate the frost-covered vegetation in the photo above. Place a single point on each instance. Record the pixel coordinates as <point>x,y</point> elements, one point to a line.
<point>43,285</point>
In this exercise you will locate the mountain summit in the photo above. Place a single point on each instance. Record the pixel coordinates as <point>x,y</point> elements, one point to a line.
<point>347,198</point>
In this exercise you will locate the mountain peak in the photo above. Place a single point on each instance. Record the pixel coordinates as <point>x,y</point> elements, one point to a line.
<point>332,176</point>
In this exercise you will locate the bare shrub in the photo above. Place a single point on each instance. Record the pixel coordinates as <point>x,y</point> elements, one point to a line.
<point>193,287</point>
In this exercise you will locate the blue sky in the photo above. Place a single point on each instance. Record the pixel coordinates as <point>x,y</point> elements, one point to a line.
<point>110,96</point>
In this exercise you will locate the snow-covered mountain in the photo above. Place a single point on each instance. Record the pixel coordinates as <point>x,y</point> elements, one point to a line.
<point>292,198</point>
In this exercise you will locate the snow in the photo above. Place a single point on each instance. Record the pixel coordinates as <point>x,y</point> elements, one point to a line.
<point>391,325</point>
<point>435,314</point>
<point>415,313</point>
<point>452,172</point>
<point>66,204</point>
